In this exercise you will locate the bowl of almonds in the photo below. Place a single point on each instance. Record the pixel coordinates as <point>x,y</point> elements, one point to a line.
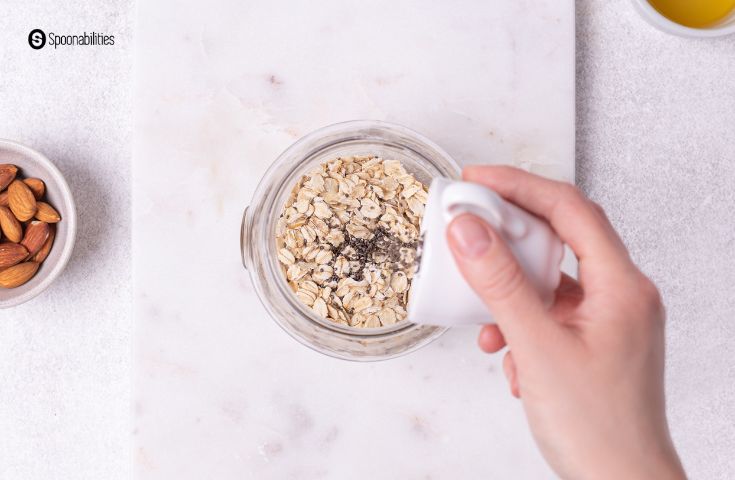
<point>37,223</point>
<point>331,238</point>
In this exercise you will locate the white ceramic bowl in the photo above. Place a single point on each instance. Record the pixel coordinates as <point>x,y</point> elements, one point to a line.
<point>34,164</point>
<point>725,27</point>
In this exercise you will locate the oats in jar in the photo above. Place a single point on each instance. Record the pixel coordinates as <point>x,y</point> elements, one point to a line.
<point>347,239</point>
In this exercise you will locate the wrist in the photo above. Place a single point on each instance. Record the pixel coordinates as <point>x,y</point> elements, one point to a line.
<point>664,465</point>
<point>648,461</point>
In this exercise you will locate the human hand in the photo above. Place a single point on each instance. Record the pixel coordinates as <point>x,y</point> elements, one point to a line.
<point>589,369</point>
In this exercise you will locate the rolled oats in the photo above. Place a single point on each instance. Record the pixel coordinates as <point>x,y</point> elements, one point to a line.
<point>320,307</point>
<point>347,239</point>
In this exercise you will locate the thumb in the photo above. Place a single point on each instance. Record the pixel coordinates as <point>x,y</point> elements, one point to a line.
<point>492,270</point>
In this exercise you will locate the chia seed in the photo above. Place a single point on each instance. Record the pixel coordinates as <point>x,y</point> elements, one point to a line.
<point>382,243</point>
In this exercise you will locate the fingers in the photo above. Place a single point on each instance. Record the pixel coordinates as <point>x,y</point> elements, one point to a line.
<point>492,271</point>
<point>509,368</point>
<point>578,222</point>
<point>490,339</point>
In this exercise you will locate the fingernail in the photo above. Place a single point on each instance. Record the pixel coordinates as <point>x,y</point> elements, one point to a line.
<point>470,236</point>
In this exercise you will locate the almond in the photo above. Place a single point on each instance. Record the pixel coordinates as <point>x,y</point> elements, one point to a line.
<point>36,235</point>
<point>4,199</point>
<point>43,253</point>
<point>21,200</point>
<point>17,275</point>
<point>37,186</point>
<point>47,213</point>
<point>7,175</point>
<point>11,254</point>
<point>10,225</point>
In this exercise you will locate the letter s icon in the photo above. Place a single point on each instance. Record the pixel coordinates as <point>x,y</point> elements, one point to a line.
<point>36,39</point>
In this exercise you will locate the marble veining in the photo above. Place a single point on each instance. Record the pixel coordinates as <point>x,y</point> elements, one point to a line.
<point>220,391</point>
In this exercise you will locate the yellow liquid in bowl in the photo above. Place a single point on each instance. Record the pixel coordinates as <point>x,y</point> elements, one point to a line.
<point>694,13</point>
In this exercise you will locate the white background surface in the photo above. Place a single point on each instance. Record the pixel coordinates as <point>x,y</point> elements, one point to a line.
<point>655,147</point>
<point>65,356</point>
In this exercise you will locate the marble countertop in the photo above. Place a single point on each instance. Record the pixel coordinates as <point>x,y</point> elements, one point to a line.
<point>654,147</point>
<point>220,389</point>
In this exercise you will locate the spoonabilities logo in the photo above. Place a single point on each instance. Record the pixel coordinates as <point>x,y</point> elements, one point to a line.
<point>36,39</point>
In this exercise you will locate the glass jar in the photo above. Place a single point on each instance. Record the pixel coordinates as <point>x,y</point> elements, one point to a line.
<point>421,157</point>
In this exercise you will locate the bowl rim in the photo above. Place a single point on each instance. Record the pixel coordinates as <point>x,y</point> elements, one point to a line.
<point>658,20</point>
<point>70,217</point>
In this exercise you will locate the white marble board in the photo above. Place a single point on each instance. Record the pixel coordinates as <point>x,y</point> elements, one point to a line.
<point>221,89</point>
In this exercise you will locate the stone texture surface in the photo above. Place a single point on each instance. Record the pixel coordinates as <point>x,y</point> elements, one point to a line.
<point>65,355</point>
<point>655,147</point>
<point>488,81</point>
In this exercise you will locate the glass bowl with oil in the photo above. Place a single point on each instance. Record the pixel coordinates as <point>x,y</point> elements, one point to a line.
<point>690,18</point>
